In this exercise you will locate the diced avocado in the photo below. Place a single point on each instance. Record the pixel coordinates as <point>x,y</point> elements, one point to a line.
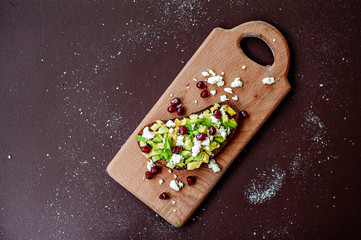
<point>225,118</point>
<point>170,165</point>
<point>184,121</point>
<point>232,123</point>
<point>163,130</point>
<point>230,110</point>
<point>188,160</point>
<point>205,121</point>
<point>188,145</point>
<point>216,105</point>
<point>181,164</point>
<point>202,129</point>
<point>206,112</point>
<point>155,127</point>
<point>209,152</point>
<point>159,122</point>
<point>193,165</point>
<point>193,116</point>
<point>177,122</point>
<point>159,146</point>
<point>214,144</point>
<point>152,153</point>
<point>142,144</point>
<point>186,154</point>
<point>205,158</point>
<point>213,108</point>
<point>156,157</point>
<point>167,154</point>
<point>199,157</point>
<point>167,143</point>
<point>219,139</point>
<point>140,138</point>
<point>192,121</point>
<point>158,139</point>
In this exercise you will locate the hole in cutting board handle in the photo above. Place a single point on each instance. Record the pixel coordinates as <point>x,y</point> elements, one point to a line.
<point>257,50</point>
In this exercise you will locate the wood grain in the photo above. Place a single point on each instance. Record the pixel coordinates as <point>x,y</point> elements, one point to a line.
<point>220,52</point>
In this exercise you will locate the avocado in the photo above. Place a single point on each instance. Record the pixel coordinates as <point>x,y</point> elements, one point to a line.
<point>213,108</point>
<point>158,146</point>
<point>202,129</point>
<point>219,139</point>
<point>205,158</point>
<point>155,127</point>
<point>193,116</point>
<point>156,157</point>
<point>163,130</point>
<point>230,110</point>
<point>167,143</point>
<point>152,153</point>
<point>142,144</point>
<point>186,154</point>
<point>140,138</point>
<point>232,124</point>
<point>188,145</point>
<point>225,118</point>
<point>177,122</point>
<point>216,105</point>
<point>193,165</point>
<point>158,139</point>
<point>184,121</point>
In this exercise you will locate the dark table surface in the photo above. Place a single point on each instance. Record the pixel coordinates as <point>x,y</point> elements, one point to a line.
<point>78,76</point>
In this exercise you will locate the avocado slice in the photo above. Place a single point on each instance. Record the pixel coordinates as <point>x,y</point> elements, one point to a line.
<point>225,118</point>
<point>186,154</point>
<point>188,145</point>
<point>163,130</point>
<point>156,157</point>
<point>202,129</point>
<point>193,165</point>
<point>230,111</point>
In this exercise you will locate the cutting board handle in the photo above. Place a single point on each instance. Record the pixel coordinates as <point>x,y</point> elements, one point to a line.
<point>272,37</point>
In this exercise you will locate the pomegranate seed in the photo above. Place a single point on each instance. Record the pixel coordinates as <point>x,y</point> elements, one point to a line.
<point>180,111</point>
<point>212,130</point>
<point>183,130</point>
<point>191,180</point>
<point>217,113</point>
<point>163,196</point>
<point>175,101</point>
<point>148,175</point>
<point>204,94</point>
<point>146,149</point>
<point>176,150</point>
<point>172,109</point>
<point>155,170</point>
<point>201,136</point>
<point>201,85</point>
<point>244,114</point>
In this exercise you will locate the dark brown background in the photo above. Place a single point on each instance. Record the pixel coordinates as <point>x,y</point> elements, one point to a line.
<point>78,76</point>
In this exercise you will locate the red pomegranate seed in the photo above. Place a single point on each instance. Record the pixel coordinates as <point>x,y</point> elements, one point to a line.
<point>148,175</point>
<point>183,130</point>
<point>155,170</point>
<point>201,85</point>
<point>176,149</point>
<point>204,94</point>
<point>175,102</point>
<point>191,180</point>
<point>146,149</point>
<point>180,111</point>
<point>217,113</point>
<point>172,109</point>
<point>212,130</point>
<point>244,114</point>
<point>163,196</point>
<point>201,136</point>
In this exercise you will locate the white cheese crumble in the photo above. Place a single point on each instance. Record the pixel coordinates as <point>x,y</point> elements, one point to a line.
<point>212,164</point>
<point>180,141</point>
<point>195,101</point>
<point>170,170</point>
<point>236,83</point>
<point>223,132</point>
<point>194,79</point>
<point>174,210</point>
<point>171,94</point>
<point>223,111</point>
<point>175,176</point>
<point>235,98</point>
<point>170,123</point>
<point>215,120</point>
<point>201,116</point>
<point>206,74</point>
<point>174,202</point>
<point>171,130</point>
<point>161,181</point>
<point>212,72</point>
<point>213,92</point>
<point>244,67</point>
<point>196,147</point>
<point>216,80</point>
<point>176,158</point>
<point>224,98</point>
<point>228,90</point>
<point>176,185</point>
<point>268,80</point>
<point>150,164</point>
<point>206,142</point>
<point>222,73</point>
<point>147,134</point>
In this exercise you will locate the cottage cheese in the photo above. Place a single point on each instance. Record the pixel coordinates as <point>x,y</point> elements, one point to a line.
<point>176,185</point>
<point>212,164</point>
<point>213,92</point>
<point>170,123</point>
<point>176,158</point>
<point>180,141</point>
<point>228,90</point>
<point>147,134</point>
<point>150,164</point>
<point>268,80</point>
<point>235,98</point>
<point>224,98</point>
<point>236,83</point>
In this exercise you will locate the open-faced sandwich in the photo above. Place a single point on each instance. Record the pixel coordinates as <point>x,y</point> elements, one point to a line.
<point>187,142</point>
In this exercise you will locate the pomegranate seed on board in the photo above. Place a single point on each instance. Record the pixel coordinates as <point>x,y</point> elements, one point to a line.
<point>171,109</point>
<point>183,130</point>
<point>146,149</point>
<point>217,113</point>
<point>175,101</point>
<point>191,180</point>
<point>201,85</point>
<point>244,114</point>
<point>212,130</point>
<point>155,170</point>
<point>163,196</point>
<point>204,94</point>
<point>148,175</point>
<point>180,111</point>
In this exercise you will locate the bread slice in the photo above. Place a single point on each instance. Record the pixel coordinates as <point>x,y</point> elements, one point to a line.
<point>215,151</point>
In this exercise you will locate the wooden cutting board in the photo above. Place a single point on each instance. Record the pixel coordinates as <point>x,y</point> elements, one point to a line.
<point>220,52</point>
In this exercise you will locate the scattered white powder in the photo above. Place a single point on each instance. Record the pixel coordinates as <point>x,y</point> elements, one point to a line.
<point>265,186</point>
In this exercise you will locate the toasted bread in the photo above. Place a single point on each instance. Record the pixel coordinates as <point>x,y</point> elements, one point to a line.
<point>215,151</point>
